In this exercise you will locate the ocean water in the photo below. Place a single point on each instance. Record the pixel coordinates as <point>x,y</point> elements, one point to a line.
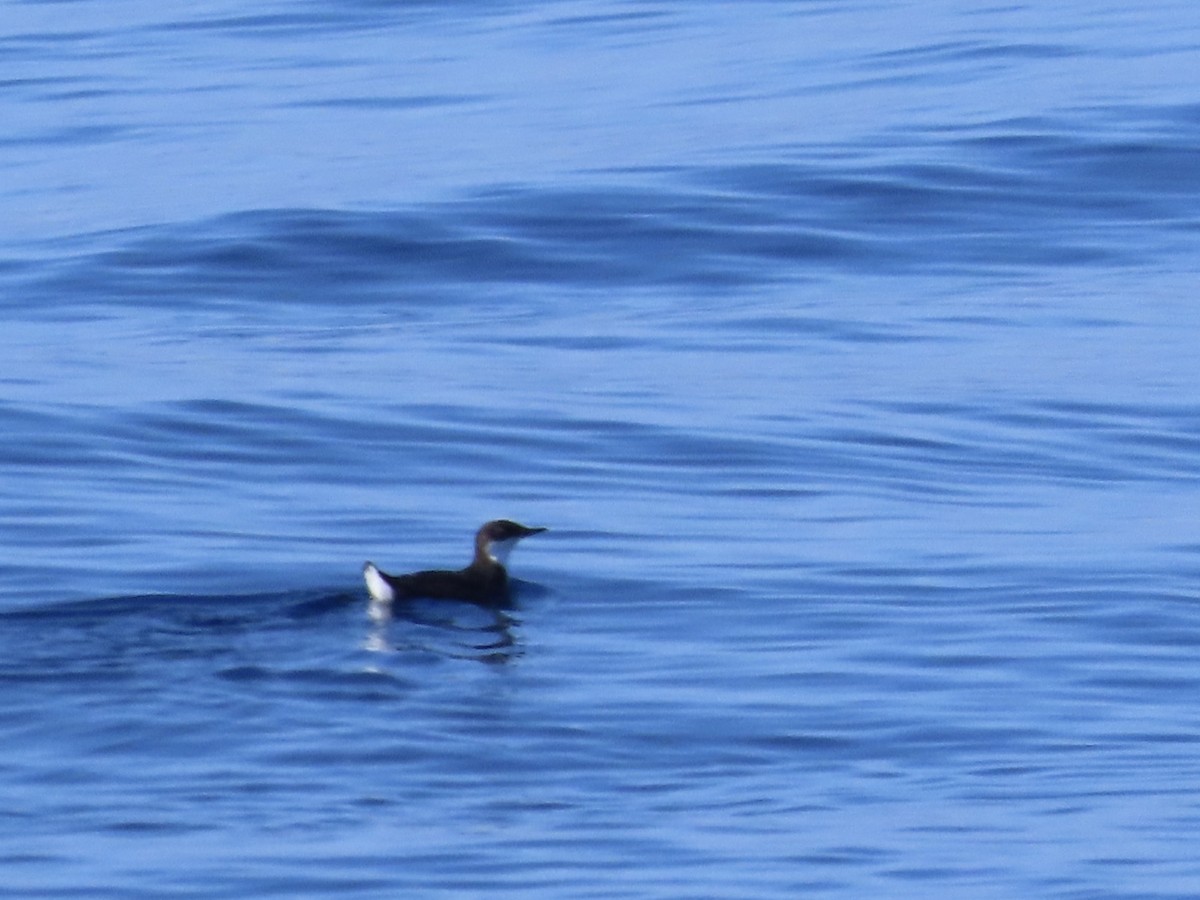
<point>847,348</point>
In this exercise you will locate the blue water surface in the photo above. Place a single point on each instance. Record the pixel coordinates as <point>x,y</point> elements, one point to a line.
<point>848,350</point>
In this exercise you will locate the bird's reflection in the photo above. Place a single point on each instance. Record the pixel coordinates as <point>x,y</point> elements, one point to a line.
<point>463,631</point>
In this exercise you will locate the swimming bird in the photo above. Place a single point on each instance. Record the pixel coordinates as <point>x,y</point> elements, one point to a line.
<point>484,581</point>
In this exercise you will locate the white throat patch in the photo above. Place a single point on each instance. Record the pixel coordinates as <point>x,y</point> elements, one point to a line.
<point>499,550</point>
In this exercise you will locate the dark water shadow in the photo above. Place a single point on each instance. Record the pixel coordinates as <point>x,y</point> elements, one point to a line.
<point>289,634</point>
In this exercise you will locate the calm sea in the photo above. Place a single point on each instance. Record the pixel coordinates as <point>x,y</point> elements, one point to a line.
<point>848,348</point>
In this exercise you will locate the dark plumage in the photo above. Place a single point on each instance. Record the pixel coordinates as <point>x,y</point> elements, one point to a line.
<point>485,580</point>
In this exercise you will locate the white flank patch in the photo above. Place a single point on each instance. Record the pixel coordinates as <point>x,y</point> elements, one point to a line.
<point>380,590</point>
